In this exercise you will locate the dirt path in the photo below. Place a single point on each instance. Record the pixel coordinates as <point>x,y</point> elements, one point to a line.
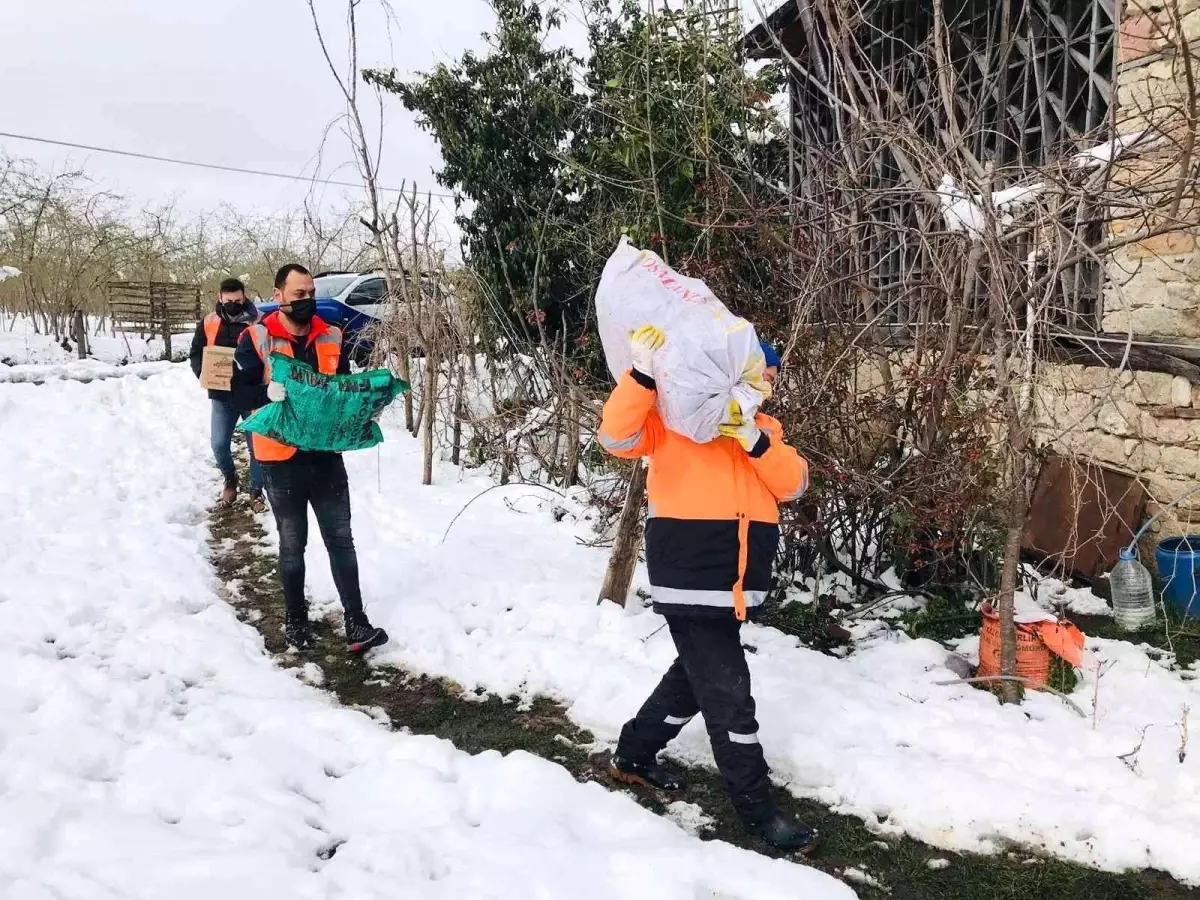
<point>900,868</point>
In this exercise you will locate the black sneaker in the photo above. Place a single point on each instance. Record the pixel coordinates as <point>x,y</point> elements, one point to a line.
<point>299,635</point>
<point>784,832</point>
<point>362,636</point>
<point>651,775</point>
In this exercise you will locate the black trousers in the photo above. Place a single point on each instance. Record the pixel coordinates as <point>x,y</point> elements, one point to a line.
<point>710,677</point>
<point>319,480</point>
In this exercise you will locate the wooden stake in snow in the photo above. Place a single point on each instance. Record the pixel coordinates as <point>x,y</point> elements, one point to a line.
<point>627,542</point>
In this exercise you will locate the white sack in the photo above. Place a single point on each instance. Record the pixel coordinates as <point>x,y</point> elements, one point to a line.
<point>699,368</point>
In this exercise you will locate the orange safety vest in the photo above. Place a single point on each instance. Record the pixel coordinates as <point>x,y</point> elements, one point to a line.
<point>328,343</point>
<point>212,324</point>
<point>713,524</point>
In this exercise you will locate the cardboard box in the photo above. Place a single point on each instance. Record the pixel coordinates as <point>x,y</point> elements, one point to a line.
<point>216,369</point>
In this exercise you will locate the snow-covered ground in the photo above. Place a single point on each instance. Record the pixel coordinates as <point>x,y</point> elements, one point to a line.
<point>142,721</point>
<point>150,749</point>
<point>26,355</point>
<point>506,601</point>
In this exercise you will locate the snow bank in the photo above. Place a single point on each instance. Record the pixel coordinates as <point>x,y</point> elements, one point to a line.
<point>507,603</point>
<point>79,370</point>
<point>20,345</point>
<point>149,749</point>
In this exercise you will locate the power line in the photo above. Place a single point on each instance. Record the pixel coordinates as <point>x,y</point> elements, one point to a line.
<point>203,165</point>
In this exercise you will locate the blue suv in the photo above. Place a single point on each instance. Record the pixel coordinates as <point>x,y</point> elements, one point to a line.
<point>351,302</point>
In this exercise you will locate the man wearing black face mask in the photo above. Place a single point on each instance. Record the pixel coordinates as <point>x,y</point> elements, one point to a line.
<point>221,328</point>
<point>296,479</point>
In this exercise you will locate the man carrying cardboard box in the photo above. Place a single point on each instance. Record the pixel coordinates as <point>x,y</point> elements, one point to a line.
<point>213,347</point>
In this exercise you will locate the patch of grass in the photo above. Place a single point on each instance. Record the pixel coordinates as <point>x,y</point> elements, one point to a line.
<point>941,620</point>
<point>439,707</point>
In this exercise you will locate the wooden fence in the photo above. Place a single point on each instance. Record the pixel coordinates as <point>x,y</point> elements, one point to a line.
<point>157,308</point>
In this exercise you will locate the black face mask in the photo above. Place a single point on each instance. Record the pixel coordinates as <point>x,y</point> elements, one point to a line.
<point>302,311</point>
<point>235,312</point>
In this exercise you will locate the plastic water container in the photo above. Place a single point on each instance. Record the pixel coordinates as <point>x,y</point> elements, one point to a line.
<point>1178,567</point>
<point>1132,592</point>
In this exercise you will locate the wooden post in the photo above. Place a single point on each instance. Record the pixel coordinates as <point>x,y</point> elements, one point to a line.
<point>623,559</point>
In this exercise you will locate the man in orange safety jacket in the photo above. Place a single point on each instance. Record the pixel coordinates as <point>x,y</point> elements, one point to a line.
<point>222,327</point>
<point>711,535</point>
<point>297,479</point>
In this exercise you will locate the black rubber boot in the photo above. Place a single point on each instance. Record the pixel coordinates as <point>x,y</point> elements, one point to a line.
<point>361,636</point>
<point>652,775</point>
<point>299,634</point>
<point>784,832</point>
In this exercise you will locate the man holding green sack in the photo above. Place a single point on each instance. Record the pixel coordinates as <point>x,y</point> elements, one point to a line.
<point>297,477</point>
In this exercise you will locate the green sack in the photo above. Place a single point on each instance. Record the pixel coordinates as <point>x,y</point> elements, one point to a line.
<point>331,413</point>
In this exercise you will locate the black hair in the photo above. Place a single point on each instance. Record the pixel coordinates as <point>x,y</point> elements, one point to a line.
<point>281,276</point>
<point>231,286</point>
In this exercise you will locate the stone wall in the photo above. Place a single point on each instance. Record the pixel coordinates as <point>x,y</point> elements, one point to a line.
<point>1154,285</point>
<point>1141,422</point>
<point>1136,422</point>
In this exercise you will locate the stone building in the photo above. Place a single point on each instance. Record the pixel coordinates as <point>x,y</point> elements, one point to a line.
<point>1116,80</point>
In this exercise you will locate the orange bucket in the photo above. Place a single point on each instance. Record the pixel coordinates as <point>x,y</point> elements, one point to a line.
<point>1033,657</point>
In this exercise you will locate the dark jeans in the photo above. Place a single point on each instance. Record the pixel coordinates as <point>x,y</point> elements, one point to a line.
<point>224,420</point>
<point>319,480</point>
<point>710,677</point>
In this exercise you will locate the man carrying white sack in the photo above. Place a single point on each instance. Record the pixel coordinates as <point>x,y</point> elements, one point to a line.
<point>711,536</point>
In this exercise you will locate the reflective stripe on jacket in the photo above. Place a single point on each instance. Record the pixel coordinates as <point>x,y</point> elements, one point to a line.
<point>713,524</point>
<point>269,336</point>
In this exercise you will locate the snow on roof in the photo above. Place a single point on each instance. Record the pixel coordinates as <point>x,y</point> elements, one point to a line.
<point>1101,154</point>
<point>963,212</point>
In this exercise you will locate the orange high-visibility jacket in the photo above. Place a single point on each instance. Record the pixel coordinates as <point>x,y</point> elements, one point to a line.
<point>212,324</point>
<point>713,524</point>
<point>269,336</point>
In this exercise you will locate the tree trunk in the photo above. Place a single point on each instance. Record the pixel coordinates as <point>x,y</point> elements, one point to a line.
<point>456,443</point>
<point>1012,691</point>
<point>81,334</point>
<point>406,374</point>
<point>572,463</point>
<point>429,408</point>
<point>628,540</point>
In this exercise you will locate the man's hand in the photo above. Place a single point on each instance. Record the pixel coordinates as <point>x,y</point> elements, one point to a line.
<point>737,427</point>
<point>276,391</point>
<point>643,343</point>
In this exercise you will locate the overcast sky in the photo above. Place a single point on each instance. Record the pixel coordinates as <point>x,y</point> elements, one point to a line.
<point>234,82</point>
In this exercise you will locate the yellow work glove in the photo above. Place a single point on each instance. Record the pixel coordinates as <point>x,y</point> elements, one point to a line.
<point>744,431</point>
<point>643,343</point>
<point>754,375</point>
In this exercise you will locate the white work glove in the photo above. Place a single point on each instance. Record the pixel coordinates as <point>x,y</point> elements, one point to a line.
<point>643,343</point>
<point>276,391</point>
<point>738,427</point>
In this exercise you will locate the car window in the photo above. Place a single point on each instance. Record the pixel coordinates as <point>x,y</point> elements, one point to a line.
<point>370,291</point>
<point>332,285</point>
